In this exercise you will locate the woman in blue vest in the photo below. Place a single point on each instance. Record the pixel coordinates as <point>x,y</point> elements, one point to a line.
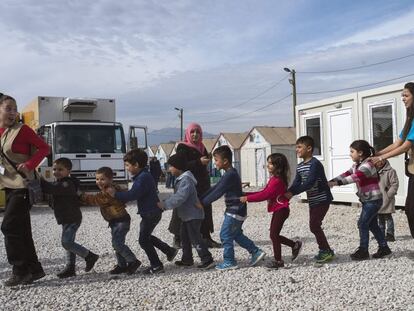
<point>402,145</point>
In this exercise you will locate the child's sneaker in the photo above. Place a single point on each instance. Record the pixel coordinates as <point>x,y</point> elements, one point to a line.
<point>325,256</point>
<point>226,266</point>
<point>118,270</point>
<point>174,252</point>
<point>256,257</point>
<point>276,265</point>
<point>360,254</point>
<point>67,272</point>
<point>181,263</point>
<point>207,265</point>
<point>382,252</point>
<point>155,270</point>
<point>132,267</point>
<point>90,259</point>
<point>296,249</point>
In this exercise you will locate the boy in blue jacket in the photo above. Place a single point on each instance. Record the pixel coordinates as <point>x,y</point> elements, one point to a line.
<point>186,202</point>
<point>143,190</point>
<point>236,212</point>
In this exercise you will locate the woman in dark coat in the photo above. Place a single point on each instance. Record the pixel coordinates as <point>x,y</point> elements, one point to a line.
<point>197,160</point>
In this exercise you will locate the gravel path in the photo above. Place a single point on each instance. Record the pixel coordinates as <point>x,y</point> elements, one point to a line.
<point>385,284</point>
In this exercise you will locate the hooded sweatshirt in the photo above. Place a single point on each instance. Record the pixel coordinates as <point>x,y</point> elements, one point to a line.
<point>389,187</point>
<point>185,198</point>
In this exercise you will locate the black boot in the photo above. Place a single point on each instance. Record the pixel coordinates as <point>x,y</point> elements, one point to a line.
<point>360,254</point>
<point>68,272</point>
<point>90,261</point>
<point>382,252</point>
<point>19,280</point>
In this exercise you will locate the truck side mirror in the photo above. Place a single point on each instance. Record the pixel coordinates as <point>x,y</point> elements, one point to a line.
<point>49,160</point>
<point>133,143</point>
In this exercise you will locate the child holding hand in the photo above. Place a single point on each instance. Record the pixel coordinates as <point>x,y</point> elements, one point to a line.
<point>365,175</point>
<point>278,167</point>
<point>191,214</point>
<point>115,214</point>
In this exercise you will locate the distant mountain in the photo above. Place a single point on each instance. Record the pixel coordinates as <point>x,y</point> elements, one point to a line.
<point>167,135</point>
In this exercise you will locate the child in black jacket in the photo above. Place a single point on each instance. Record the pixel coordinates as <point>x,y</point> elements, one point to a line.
<point>66,206</point>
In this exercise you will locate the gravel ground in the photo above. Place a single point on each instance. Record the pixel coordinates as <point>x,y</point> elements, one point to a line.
<point>385,284</point>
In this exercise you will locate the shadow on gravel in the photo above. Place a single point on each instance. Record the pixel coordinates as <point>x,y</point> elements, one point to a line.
<point>171,270</point>
<point>305,260</point>
<point>404,238</point>
<point>303,239</point>
<point>52,265</point>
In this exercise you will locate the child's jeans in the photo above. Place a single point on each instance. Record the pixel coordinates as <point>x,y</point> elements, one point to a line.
<point>148,242</point>
<point>191,236</point>
<point>68,242</point>
<point>316,216</point>
<point>278,219</point>
<point>368,222</point>
<point>386,223</point>
<point>123,253</point>
<point>231,231</point>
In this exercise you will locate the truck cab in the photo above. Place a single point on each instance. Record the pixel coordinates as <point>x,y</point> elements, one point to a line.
<point>89,145</point>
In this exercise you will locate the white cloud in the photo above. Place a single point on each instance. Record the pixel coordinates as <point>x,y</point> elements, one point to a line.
<point>203,56</point>
<point>398,26</point>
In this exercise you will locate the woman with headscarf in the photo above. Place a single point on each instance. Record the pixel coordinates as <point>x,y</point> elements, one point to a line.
<point>197,160</point>
<point>17,163</point>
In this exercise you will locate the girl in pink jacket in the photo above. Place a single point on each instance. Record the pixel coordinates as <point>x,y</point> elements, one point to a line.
<point>278,168</point>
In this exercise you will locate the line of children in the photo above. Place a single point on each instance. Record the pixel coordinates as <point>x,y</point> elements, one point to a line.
<point>310,177</point>
<point>66,207</point>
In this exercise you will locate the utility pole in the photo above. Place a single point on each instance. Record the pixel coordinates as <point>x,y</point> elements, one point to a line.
<point>292,81</point>
<point>181,116</point>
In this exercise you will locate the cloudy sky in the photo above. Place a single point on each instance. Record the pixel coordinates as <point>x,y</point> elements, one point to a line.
<point>221,61</point>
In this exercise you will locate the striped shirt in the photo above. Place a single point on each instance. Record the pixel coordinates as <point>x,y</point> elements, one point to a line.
<point>310,177</point>
<point>366,177</point>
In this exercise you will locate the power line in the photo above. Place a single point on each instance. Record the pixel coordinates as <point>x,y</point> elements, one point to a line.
<point>354,87</point>
<point>357,67</point>
<point>249,112</point>
<point>245,102</point>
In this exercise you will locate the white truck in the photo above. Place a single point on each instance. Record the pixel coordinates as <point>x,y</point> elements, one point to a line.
<point>83,130</point>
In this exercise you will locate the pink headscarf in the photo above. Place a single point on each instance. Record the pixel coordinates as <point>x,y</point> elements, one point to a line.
<point>188,141</point>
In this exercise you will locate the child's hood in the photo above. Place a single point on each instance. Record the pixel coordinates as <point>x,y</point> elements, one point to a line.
<point>187,174</point>
<point>386,167</point>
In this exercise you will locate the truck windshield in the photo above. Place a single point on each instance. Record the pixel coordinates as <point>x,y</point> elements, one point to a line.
<point>89,139</point>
